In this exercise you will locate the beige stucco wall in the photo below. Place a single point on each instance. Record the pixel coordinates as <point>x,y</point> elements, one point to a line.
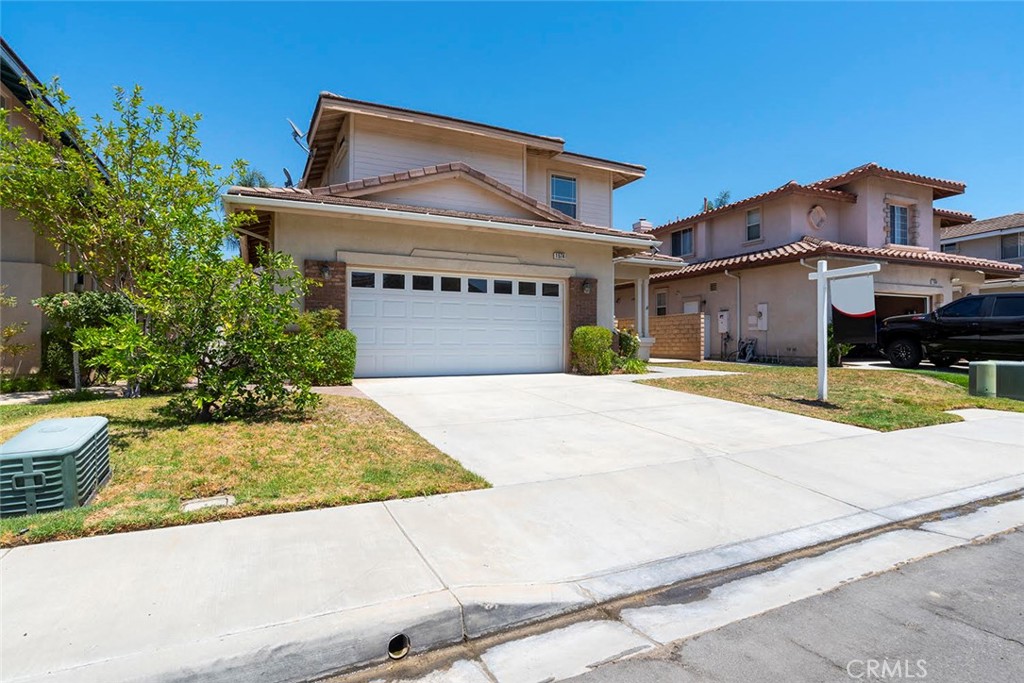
<point>380,146</point>
<point>456,193</point>
<point>864,221</point>
<point>443,248</point>
<point>989,247</point>
<point>593,187</point>
<point>26,262</point>
<point>790,297</point>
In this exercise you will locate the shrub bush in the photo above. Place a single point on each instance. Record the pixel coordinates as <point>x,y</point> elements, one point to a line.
<point>634,366</point>
<point>592,350</point>
<point>331,350</point>
<point>629,343</point>
<point>69,312</point>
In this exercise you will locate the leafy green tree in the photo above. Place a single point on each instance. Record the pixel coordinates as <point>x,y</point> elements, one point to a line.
<point>721,200</point>
<point>10,349</point>
<point>142,218</point>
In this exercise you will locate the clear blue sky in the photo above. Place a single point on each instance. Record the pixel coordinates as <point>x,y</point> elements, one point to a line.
<point>741,97</point>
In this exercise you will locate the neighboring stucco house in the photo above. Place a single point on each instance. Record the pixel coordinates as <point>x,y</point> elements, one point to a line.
<point>450,246</point>
<point>27,261</point>
<point>1000,238</point>
<point>748,261</point>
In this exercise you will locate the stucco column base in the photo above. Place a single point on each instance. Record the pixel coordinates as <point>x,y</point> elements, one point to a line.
<point>644,352</point>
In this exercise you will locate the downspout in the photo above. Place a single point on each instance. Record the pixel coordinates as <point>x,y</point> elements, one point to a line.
<point>739,287</point>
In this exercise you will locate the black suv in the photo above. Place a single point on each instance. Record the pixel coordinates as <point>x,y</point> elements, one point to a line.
<point>981,327</point>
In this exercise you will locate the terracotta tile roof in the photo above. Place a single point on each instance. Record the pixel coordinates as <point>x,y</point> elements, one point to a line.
<point>1007,222</point>
<point>356,188</point>
<point>811,246</point>
<point>792,187</point>
<point>306,196</point>
<point>941,188</point>
<point>948,217</point>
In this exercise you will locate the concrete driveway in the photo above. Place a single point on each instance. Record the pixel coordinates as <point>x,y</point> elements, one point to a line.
<point>513,429</point>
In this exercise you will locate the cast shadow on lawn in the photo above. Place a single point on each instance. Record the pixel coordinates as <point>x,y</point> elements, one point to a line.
<point>124,428</point>
<point>811,403</point>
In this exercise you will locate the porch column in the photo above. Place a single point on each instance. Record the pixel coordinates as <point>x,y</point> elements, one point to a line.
<point>645,283</point>
<point>643,321</point>
<point>638,317</point>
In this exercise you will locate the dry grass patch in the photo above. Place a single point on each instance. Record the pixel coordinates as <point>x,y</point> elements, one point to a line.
<point>349,451</point>
<point>876,399</point>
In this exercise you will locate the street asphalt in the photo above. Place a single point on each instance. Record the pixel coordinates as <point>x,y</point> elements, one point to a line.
<point>954,617</point>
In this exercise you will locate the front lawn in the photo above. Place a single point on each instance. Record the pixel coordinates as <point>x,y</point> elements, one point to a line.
<point>876,399</point>
<point>350,450</point>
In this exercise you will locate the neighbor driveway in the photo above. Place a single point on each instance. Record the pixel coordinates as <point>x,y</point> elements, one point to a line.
<point>512,429</point>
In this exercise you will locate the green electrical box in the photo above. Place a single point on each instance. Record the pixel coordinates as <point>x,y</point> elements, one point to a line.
<point>1010,379</point>
<point>54,465</point>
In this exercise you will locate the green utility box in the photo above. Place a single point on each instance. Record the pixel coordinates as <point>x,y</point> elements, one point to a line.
<point>1010,379</point>
<point>54,465</point>
<point>1002,378</point>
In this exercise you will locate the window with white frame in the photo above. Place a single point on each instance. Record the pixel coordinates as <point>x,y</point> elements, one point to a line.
<point>563,194</point>
<point>661,302</point>
<point>899,224</point>
<point>753,225</point>
<point>1012,246</point>
<point>951,248</point>
<point>682,242</point>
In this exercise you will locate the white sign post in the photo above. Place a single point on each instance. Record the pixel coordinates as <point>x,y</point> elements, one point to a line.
<point>823,276</point>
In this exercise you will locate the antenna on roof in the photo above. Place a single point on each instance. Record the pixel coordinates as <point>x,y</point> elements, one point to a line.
<point>297,135</point>
<point>287,178</point>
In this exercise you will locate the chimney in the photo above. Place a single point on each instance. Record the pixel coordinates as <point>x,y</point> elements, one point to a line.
<point>642,225</point>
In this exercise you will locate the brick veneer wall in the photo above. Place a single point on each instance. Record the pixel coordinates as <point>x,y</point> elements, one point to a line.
<point>332,292</point>
<point>582,308</point>
<point>680,335</point>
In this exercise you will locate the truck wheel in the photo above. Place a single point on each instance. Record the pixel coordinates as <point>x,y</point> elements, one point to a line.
<point>942,361</point>
<point>904,353</point>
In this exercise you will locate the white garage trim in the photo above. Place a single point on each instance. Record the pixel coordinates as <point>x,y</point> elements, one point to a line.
<point>410,323</point>
<point>457,265</point>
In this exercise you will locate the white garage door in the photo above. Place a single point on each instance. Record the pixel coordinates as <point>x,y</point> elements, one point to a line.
<point>439,323</point>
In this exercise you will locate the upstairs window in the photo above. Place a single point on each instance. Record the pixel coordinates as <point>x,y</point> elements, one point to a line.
<point>1012,246</point>
<point>563,195</point>
<point>951,248</point>
<point>753,225</point>
<point>899,224</point>
<point>682,242</point>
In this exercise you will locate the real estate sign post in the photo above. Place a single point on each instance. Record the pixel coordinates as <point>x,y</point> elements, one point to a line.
<point>854,298</point>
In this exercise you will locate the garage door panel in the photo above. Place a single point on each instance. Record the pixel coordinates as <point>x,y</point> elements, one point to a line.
<point>362,308</point>
<point>422,336</point>
<point>430,332</point>
<point>451,311</point>
<point>550,314</point>
<point>393,335</point>
<point>392,308</point>
<point>364,335</point>
<point>424,309</point>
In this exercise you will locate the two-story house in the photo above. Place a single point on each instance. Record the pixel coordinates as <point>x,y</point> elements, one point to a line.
<point>747,262</point>
<point>999,238</point>
<point>450,246</point>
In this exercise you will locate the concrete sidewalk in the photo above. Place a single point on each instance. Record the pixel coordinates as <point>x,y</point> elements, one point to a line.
<point>294,596</point>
